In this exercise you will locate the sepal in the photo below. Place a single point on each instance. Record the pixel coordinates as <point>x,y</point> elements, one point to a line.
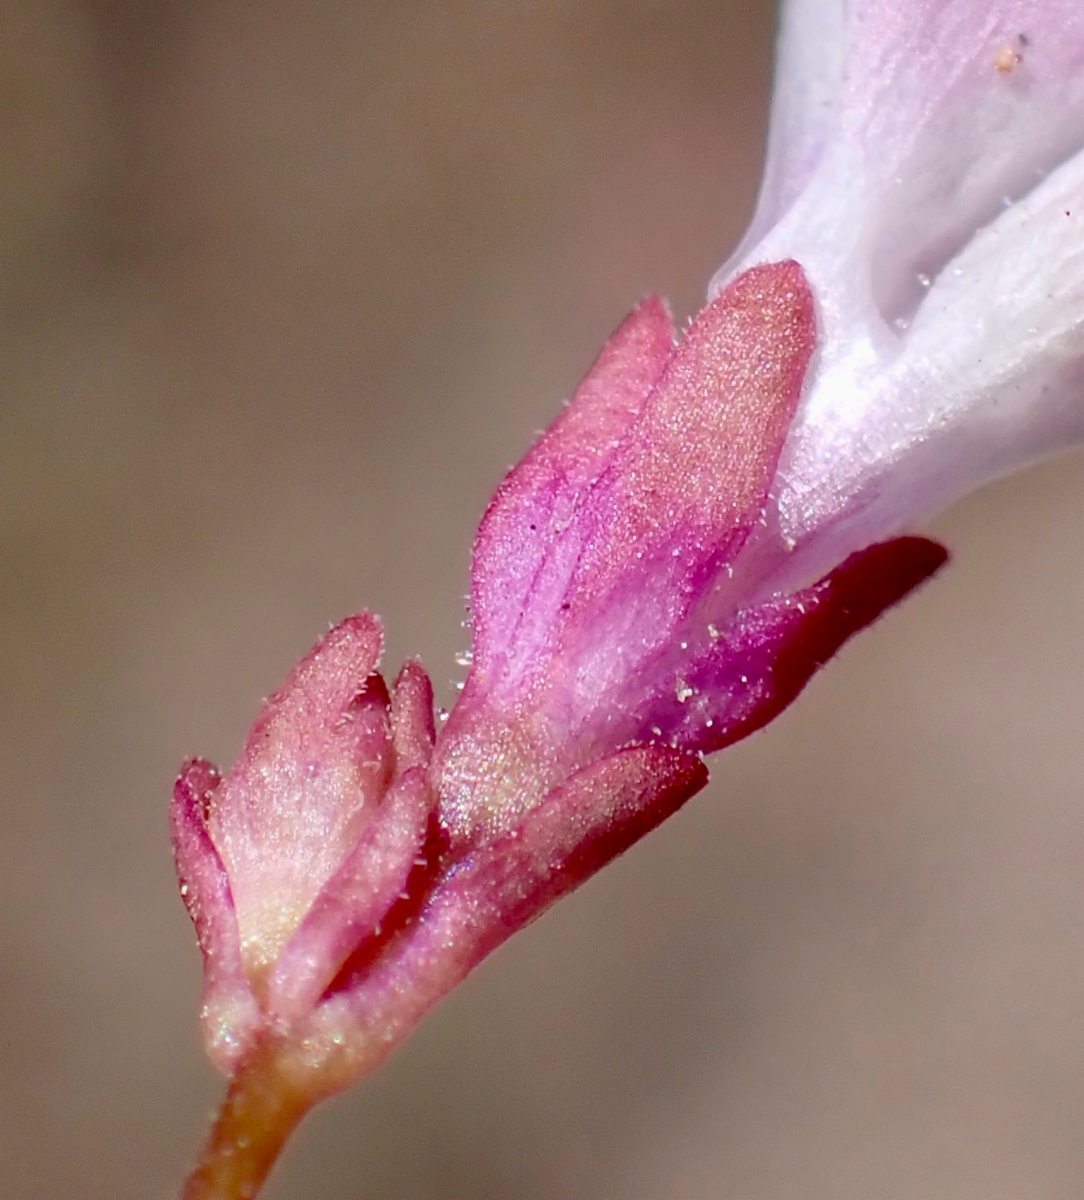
<point>744,675</point>
<point>310,777</point>
<point>229,1013</point>
<point>475,901</point>
<point>413,730</point>
<point>351,905</point>
<point>538,498</point>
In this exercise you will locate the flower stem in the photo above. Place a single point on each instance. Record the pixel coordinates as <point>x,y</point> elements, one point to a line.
<point>262,1108</point>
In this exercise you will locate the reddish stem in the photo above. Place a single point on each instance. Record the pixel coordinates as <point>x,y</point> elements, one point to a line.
<point>262,1108</point>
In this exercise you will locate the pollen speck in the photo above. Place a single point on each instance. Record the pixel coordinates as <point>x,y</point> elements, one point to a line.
<point>1007,60</point>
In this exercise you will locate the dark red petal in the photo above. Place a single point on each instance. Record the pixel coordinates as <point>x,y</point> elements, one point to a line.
<point>768,654</point>
<point>850,598</point>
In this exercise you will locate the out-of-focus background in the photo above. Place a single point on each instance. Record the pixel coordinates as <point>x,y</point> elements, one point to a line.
<point>284,287</point>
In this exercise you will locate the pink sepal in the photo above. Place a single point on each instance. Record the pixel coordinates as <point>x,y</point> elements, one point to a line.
<point>311,775</point>
<point>538,497</point>
<point>353,902</point>
<point>615,569</point>
<point>229,1012</point>
<point>477,902</point>
<point>413,731</point>
<point>597,814</point>
<point>685,489</point>
<point>618,578</point>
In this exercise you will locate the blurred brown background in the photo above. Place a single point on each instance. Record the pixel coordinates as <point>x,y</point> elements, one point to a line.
<point>284,288</point>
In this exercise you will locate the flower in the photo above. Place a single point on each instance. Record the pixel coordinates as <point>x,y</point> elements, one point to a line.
<point>701,528</point>
<point>288,862</point>
<point>351,868</point>
<point>926,168</point>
